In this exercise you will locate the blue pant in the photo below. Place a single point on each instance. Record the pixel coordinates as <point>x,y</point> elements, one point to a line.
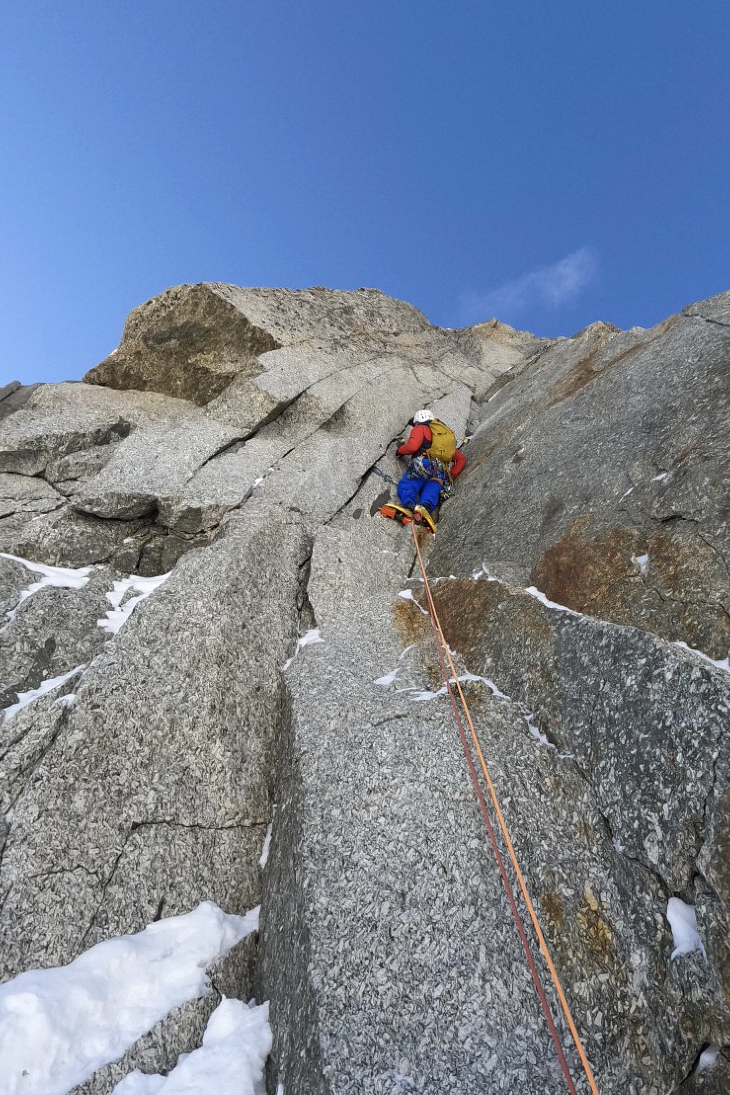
<point>412,490</point>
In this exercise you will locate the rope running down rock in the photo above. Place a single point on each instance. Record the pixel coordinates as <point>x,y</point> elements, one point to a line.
<point>442,646</point>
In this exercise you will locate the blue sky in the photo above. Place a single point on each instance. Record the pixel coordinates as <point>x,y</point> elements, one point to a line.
<point>554,163</point>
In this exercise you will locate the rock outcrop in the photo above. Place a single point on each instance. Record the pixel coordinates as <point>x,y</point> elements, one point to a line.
<point>242,440</point>
<point>603,469</point>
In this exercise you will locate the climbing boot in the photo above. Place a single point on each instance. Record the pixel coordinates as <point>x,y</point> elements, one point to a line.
<point>422,515</point>
<point>402,514</point>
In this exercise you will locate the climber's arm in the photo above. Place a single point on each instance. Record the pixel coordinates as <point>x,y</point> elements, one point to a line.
<point>457,464</point>
<point>419,436</point>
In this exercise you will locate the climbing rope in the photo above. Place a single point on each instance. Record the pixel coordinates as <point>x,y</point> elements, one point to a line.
<point>443,647</point>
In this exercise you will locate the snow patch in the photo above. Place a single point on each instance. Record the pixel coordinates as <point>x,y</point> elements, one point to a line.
<point>707,1059</point>
<point>267,844</point>
<point>491,686</point>
<point>407,595</point>
<point>66,701</point>
<point>723,663</point>
<point>24,698</point>
<point>527,716</point>
<point>683,922</point>
<point>423,696</point>
<point>61,577</point>
<point>388,678</point>
<point>540,596</point>
<point>484,572</point>
<point>231,1060</point>
<point>58,1026</point>
<point>658,478</point>
<point>626,494</point>
<point>309,637</point>
<point>120,613</point>
<point>642,561</point>
<point>535,730</point>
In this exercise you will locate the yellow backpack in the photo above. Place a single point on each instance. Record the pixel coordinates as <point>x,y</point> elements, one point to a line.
<point>443,445</point>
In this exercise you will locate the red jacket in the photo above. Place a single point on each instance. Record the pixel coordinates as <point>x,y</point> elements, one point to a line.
<point>419,441</point>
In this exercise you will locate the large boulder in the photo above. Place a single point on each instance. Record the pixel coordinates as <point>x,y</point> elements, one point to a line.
<point>13,396</point>
<point>52,632</point>
<point>193,340</point>
<point>61,419</point>
<point>23,499</point>
<point>67,538</point>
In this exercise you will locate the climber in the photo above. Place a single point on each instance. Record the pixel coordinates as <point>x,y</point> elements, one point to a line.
<point>434,463</point>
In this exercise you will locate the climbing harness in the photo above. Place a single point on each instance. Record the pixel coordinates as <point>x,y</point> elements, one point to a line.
<point>430,467</point>
<point>443,649</point>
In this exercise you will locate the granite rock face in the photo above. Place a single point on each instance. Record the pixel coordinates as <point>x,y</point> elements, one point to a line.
<point>603,470</point>
<point>194,340</point>
<point>236,447</point>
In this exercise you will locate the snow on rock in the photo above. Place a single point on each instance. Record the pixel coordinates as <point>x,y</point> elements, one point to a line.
<point>58,1026</point>
<point>407,595</point>
<point>483,571</point>
<point>642,561</point>
<point>66,701</point>
<point>120,613</point>
<point>707,1059</point>
<point>388,678</point>
<point>307,639</point>
<point>534,729</point>
<point>267,844</point>
<point>540,596</point>
<point>231,1060</point>
<point>683,922</point>
<point>527,716</point>
<point>63,577</point>
<point>423,696</point>
<point>24,698</point>
<point>721,663</point>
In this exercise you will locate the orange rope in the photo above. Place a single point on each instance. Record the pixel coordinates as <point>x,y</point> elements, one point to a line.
<point>505,832</point>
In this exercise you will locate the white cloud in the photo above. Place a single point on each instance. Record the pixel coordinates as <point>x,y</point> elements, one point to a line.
<point>545,286</point>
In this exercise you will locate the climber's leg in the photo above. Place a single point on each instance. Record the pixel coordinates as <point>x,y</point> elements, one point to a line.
<point>408,490</point>
<point>430,493</point>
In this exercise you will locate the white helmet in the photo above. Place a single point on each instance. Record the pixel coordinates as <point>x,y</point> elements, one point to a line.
<point>420,418</point>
